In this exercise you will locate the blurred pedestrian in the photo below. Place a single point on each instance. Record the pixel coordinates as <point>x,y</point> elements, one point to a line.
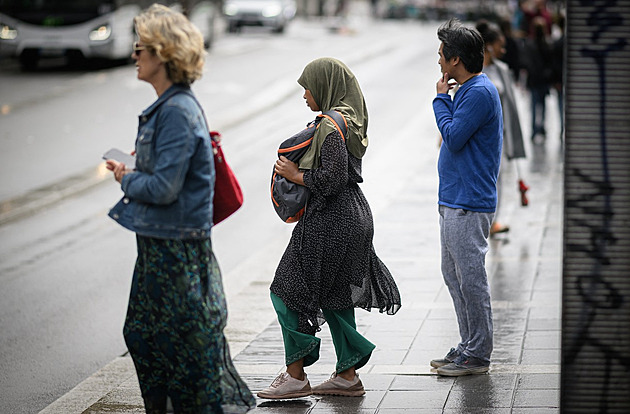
<point>518,18</point>
<point>471,125</point>
<point>513,49</point>
<point>341,8</point>
<point>330,266</point>
<point>536,10</point>
<point>177,310</point>
<point>557,73</point>
<point>374,9</point>
<point>499,74</point>
<point>538,60</point>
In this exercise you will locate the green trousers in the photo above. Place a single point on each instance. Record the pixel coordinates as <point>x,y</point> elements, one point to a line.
<point>352,349</point>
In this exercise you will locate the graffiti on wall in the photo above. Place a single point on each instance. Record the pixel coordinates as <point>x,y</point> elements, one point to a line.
<point>593,210</point>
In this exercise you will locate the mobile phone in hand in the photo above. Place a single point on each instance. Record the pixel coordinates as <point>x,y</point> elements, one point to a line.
<point>117,155</point>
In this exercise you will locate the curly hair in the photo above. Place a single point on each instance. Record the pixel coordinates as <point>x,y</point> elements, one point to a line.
<point>174,40</point>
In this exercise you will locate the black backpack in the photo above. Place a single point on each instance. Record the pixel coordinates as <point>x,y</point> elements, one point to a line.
<point>288,198</point>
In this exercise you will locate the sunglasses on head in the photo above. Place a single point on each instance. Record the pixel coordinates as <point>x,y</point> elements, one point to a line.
<point>137,48</point>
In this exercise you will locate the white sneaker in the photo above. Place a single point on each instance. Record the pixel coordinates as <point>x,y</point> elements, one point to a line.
<point>340,386</point>
<point>285,387</point>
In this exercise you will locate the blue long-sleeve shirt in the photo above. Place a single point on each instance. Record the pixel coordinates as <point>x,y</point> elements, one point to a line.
<point>472,136</point>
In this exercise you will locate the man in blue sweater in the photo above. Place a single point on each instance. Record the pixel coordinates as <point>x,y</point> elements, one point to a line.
<point>471,125</point>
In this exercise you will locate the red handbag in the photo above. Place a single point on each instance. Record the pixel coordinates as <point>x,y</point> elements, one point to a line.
<point>228,196</point>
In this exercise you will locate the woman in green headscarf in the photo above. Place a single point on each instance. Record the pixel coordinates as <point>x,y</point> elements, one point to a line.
<point>329,267</point>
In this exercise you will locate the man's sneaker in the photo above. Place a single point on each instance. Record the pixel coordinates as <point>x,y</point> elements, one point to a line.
<point>340,386</point>
<point>450,357</point>
<point>285,387</point>
<point>464,365</point>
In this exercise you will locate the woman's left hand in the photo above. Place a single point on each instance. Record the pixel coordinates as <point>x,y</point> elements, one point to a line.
<point>289,170</point>
<point>118,168</point>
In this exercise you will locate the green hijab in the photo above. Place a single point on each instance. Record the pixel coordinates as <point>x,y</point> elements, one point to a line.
<point>334,87</point>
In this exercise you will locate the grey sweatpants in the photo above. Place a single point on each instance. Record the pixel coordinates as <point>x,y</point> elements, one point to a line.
<point>464,239</point>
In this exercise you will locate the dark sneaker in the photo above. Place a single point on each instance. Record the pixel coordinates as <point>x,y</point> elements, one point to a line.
<point>450,357</point>
<point>340,386</point>
<point>285,387</point>
<point>464,365</point>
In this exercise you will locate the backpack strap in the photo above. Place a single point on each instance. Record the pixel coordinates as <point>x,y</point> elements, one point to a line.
<point>338,121</point>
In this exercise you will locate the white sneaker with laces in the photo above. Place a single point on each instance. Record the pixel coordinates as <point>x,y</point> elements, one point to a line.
<point>340,386</point>
<point>285,387</point>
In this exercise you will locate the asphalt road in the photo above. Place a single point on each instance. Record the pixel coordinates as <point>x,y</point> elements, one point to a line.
<point>65,270</point>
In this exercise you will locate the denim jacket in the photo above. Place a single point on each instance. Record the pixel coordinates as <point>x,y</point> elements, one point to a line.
<point>169,195</point>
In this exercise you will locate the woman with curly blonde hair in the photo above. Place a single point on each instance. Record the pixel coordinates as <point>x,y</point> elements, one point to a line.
<point>177,310</point>
<point>174,41</point>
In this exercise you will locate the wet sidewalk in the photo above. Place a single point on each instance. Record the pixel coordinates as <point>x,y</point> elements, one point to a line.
<point>524,267</point>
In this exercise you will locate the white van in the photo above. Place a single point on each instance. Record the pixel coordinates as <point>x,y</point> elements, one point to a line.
<point>36,29</point>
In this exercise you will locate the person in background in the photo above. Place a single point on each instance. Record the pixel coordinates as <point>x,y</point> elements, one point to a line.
<point>329,267</point>
<point>536,10</point>
<point>500,75</point>
<point>471,125</point>
<point>538,60</point>
<point>513,49</point>
<point>374,9</point>
<point>341,8</point>
<point>557,73</point>
<point>177,310</point>
<point>518,18</point>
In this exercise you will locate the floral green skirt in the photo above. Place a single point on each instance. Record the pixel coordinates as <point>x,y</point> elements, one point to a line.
<point>174,330</point>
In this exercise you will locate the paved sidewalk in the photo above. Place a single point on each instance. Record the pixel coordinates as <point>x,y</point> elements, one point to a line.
<point>525,270</point>
<point>524,266</point>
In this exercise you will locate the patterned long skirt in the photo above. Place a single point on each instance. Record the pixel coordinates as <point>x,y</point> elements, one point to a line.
<point>174,330</point>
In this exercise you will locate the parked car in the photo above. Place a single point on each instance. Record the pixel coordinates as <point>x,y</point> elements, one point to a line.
<point>275,14</point>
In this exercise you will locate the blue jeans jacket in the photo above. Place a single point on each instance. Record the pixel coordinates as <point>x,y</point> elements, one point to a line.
<point>169,195</point>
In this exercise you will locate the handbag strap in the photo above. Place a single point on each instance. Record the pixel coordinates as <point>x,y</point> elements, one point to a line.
<point>214,136</point>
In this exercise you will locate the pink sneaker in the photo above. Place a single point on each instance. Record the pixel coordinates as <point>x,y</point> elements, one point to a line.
<point>285,387</point>
<point>340,386</point>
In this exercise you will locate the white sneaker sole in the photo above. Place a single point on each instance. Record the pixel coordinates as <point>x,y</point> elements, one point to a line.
<point>341,393</point>
<point>356,390</point>
<point>287,396</point>
<point>462,372</point>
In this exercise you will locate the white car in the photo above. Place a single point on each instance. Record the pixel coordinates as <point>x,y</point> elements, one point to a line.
<point>268,13</point>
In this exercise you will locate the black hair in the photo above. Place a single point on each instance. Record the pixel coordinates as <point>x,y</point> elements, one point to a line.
<point>490,32</point>
<point>506,26</point>
<point>463,42</point>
